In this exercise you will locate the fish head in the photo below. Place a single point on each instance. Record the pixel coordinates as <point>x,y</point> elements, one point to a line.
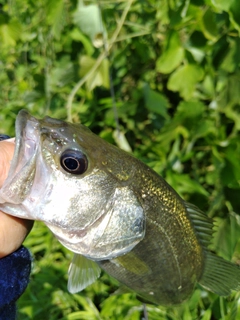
<point>75,182</point>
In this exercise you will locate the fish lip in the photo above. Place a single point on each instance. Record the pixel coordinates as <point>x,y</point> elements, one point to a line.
<point>24,157</point>
<point>22,120</point>
<point>27,132</point>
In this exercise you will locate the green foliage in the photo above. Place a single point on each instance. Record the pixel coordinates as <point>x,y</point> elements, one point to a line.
<point>175,71</point>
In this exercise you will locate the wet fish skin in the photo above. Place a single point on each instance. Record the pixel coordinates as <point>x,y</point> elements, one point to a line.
<point>116,213</point>
<point>169,261</point>
<point>36,183</point>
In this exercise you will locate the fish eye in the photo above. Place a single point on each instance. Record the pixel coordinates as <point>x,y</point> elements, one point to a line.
<point>74,161</point>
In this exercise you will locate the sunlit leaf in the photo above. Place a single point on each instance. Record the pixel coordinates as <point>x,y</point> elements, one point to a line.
<point>78,36</point>
<point>100,77</point>
<point>185,184</point>
<point>190,109</point>
<point>207,315</point>
<point>172,55</point>
<point>121,141</point>
<point>9,33</point>
<point>222,4</point>
<point>55,15</point>
<point>88,19</point>
<point>184,80</point>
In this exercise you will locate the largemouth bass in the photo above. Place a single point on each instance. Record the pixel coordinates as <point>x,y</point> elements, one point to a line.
<point>113,212</point>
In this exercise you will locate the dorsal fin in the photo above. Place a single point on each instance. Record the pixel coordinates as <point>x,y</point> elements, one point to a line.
<point>203,225</point>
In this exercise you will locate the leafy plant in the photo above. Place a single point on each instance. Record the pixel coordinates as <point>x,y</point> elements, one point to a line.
<point>175,72</point>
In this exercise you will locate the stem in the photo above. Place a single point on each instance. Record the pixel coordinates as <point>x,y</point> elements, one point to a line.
<point>99,60</point>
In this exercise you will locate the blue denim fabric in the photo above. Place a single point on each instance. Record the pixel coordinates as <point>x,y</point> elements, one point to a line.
<point>14,277</point>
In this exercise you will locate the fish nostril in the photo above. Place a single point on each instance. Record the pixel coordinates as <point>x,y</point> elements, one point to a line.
<point>49,133</point>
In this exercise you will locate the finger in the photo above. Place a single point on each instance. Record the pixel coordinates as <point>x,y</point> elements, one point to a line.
<point>6,154</point>
<point>13,231</point>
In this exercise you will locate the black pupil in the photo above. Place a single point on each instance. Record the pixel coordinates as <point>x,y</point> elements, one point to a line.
<point>71,163</point>
<point>74,161</point>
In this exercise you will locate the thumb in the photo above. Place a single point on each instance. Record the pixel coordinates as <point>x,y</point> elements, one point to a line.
<point>6,154</point>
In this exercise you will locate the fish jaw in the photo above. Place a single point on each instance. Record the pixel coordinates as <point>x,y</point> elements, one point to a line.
<point>18,184</point>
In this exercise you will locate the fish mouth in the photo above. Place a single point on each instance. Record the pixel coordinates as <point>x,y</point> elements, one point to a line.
<point>22,169</point>
<point>27,133</point>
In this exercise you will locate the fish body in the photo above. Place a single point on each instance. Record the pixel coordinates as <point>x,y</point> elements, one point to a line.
<point>165,266</point>
<point>112,211</point>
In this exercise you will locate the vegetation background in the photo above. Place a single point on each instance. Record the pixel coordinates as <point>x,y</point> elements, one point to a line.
<point>174,65</point>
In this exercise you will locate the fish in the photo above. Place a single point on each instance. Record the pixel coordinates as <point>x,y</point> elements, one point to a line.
<point>114,212</point>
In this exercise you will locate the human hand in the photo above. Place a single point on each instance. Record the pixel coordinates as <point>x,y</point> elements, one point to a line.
<point>12,230</point>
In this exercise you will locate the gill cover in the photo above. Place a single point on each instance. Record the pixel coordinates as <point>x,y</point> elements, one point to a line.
<point>119,228</point>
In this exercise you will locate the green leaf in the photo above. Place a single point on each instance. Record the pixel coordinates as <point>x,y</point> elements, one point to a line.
<point>86,63</point>
<point>55,15</point>
<point>226,235</point>
<point>190,109</point>
<point>184,80</point>
<point>235,11</point>
<point>9,33</point>
<point>207,315</point>
<point>231,61</point>
<point>76,35</point>
<point>62,75</point>
<point>233,90</point>
<point>231,171</point>
<point>98,78</point>
<point>104,73</point>
<point>172,55</point>
<point>196,45</point>
<point>185,184</point>
<point>188,114</point>
<point>89,20</point>
<point>155,101</point>
<point>222,4</point>
<point>209,26</point>
<point>121,141</point>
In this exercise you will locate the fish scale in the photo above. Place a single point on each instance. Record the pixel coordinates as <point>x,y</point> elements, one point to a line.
<point>170,248</point>
<point>113,212</point>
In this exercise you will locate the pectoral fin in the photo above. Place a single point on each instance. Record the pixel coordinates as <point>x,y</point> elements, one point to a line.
<point>82,272</point>
<point>132,263</point>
